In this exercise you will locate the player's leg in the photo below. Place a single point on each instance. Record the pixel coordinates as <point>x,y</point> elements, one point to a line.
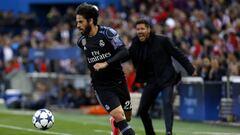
<point>121,122</point>
<point>110,101</point>
<point>124,98</point>
<point>148,97</point>
<point>104,97</point>
<point>128,115</point>
<point>115,130</point>
<point>167,96</point>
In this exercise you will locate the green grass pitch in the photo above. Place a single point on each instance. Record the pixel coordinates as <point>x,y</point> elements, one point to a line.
<point>14,122</point>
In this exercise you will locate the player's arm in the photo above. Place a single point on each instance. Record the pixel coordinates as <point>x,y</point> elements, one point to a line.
<point>121,52</point>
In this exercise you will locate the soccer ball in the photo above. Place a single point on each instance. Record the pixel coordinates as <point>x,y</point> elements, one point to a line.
<point>43,119</point>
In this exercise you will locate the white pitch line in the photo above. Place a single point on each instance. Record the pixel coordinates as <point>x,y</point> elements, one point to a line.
<point>214,133</point>
<point>17,112</point>
<point>32,130</point>
<point>101,131</point>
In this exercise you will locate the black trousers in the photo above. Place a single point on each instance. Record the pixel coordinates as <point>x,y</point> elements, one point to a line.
<point>149,95</point>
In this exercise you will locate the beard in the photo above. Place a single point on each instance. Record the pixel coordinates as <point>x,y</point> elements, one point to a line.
<point>87,30</point>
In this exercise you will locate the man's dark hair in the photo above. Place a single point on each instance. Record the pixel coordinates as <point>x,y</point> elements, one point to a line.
<point>143,21</point>
<point>88,11</point>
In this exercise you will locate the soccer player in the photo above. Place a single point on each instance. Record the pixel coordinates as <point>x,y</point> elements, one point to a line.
<point>104,51</point>
<point>151,56</point>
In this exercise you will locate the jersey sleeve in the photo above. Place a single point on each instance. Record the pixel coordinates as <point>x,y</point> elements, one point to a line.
<point>114,38</point>
<point>81,42</point>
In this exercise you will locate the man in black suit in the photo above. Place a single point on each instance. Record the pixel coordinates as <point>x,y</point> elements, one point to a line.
<point>151,56</point>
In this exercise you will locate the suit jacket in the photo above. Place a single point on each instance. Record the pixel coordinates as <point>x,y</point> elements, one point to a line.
<point>1,54</point>
<point>159,50</point>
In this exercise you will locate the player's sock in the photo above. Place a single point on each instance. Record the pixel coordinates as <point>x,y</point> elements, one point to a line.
<point>115,130</point>
<point>125,129</point>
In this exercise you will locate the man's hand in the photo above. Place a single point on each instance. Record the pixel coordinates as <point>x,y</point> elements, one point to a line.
<point>194,73</point>
<point>99,66</point>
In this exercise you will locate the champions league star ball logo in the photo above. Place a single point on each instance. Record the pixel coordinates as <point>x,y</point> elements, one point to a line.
<point>101,43</point>
<point>43,119</point>
<point>84,44</point>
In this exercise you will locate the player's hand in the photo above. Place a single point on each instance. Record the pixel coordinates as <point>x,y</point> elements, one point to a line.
<point>99,66</point>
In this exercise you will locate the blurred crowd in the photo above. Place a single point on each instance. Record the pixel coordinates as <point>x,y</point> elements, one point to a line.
<point>60,92</point>
<point>208,32</point>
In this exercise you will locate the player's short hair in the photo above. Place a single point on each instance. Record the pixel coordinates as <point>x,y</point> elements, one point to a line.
<point>88,11</point>
<point>143,21</point>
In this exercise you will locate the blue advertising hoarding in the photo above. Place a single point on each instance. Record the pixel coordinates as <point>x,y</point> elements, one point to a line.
<point>55,53</point>
<point>236,100</point>
<point>234,93</point>
<point>212,98</point>
<point>191,101</point>
<point>199,101</point>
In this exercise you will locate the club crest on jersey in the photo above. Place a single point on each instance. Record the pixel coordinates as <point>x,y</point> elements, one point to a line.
<point>101,43</point>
